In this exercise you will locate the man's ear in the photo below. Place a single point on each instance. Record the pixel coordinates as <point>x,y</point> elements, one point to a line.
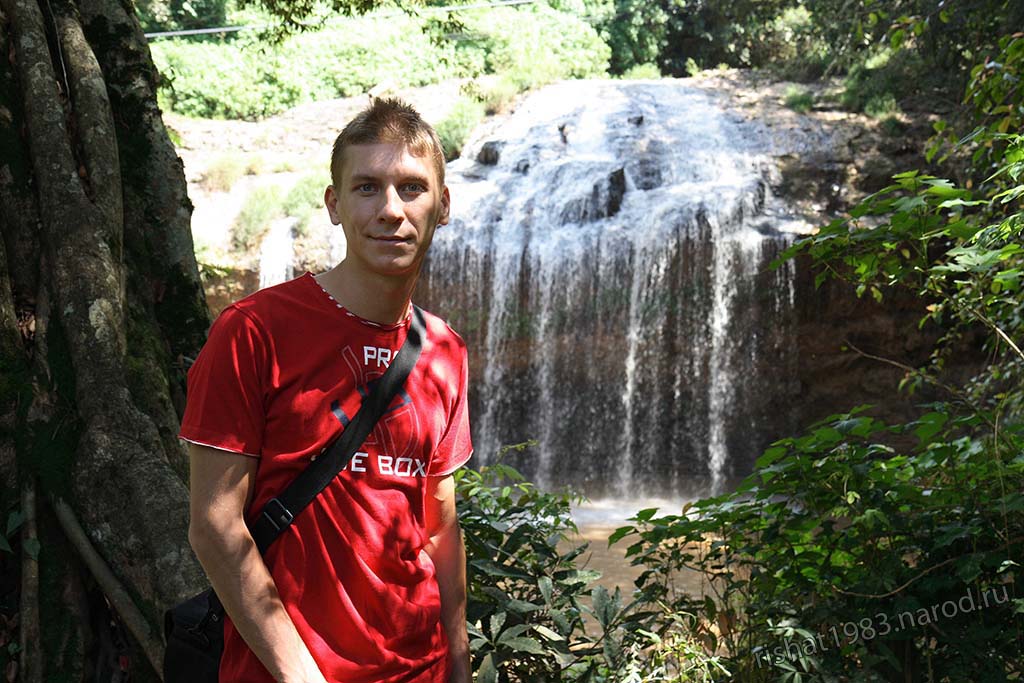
<point>446,206</point>
<point>331,202</point>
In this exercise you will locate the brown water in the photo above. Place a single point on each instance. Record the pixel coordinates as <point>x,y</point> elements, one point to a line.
<point>598,520</point>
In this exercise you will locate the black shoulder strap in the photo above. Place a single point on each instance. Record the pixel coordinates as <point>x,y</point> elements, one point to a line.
<point>278,513</point>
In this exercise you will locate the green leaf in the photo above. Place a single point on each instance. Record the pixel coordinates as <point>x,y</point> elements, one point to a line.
<point>771,455</point>
<point>710,609</point>
<point>487,673</point>
<point>5,546</point>
<point>619,534</point>
<point>524,644</point>
<point>14,521</point>
<point>929,424</point>
<point>896,39</point>
<point>522,606</point>
<point>969,568</point>
<point>547,633</point>
<point>32,547</point>
<point>645,514</point>
<point>497,621</point>
<point>545,586</point>
<point>561,621</point>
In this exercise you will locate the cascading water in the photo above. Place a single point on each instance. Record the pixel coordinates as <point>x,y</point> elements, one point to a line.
<point>607,263</point>
<point>277,253</point>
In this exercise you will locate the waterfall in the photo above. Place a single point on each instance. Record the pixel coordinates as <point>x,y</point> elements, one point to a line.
<point>607,263</point>
<point>277,252</point>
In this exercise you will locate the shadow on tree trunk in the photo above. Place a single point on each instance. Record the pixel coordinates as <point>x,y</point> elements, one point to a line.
<point>100,307</point>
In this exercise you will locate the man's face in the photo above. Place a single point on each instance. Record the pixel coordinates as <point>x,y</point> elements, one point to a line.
<point>389,202</point>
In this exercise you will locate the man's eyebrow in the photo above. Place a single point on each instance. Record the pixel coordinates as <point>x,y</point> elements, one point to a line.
<point>414,177</point>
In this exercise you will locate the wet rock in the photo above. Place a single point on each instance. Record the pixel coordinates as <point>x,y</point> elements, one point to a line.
<point>490,152</point>
<point>646,173</point>
<point>616,190</point>
<point>603,201</point>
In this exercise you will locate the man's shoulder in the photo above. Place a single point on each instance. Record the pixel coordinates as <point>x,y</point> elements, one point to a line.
<point>276,303</point>
<point>440,331</point>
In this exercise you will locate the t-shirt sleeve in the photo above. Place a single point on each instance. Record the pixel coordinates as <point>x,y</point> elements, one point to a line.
<point>225,403</point>
<point>455,447</point>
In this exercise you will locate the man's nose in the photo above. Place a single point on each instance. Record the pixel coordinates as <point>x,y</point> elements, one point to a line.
<point>393,208</point>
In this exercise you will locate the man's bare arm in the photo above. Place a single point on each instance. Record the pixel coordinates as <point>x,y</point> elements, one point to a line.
<point>448,554</point>
<point>221,488</point>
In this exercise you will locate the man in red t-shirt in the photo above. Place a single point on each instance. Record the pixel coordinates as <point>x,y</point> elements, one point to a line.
<point>368,583</point>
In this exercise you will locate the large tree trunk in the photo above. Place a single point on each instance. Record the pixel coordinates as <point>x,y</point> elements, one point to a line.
<point>100,297</point>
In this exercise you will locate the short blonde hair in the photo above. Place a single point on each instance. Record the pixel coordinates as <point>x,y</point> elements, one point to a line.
<point>392,121</point>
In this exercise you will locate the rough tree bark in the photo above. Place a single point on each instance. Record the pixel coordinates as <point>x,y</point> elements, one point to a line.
<point>95,220</point>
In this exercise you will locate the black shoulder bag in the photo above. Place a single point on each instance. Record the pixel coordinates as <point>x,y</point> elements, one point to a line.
<point>194,630</point>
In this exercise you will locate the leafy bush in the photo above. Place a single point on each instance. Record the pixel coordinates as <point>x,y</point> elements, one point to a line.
<point>496,94</point>
<point>244,79</point>
<point>454,130</point>
<point>642,71</point>
<point>527,599</point>
<point>535,44</point>
<point>230,80</point>
<point>799,100</point>
<point>249,80</point>
<point>305,198</point>
<point>524,595</point>
<point>223,172</point>
<point>261,207</point>
<point>173,15</point>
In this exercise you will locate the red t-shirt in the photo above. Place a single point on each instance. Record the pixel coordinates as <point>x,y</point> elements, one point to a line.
<point>281,374</point>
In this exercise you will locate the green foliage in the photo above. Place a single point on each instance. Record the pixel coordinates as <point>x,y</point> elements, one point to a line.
<point>642,71</point>
<point>223,172</point>
<point>249,80</point>
<point>881,106</point>
<point>261,207</point>
<point>528,599</point>
<point>454,130</point>
<point>495,93</point>
<point>534,45</point>
<point>174,15</point>
<point>840,540</point>
<point>637,33</point>
<point>524,594</point>
<point>304,199</point>
<point>677,35</point>
<point>245,79</point>
<point>799,100</point>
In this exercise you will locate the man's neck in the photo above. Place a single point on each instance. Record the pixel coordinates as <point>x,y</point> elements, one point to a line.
<point>379,299</point>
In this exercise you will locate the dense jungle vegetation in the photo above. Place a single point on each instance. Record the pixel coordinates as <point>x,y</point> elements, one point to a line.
<point>859,550</point>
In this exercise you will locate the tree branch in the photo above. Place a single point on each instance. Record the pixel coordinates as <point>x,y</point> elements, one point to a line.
<point>953,391</point>
<point>998,330</point>
<point>31,664</point>
<point>151,644</point>
<point>881,596</point>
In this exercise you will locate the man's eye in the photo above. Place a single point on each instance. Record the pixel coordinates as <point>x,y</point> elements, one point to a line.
<point>415,187</point>
<point>367,187</point>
